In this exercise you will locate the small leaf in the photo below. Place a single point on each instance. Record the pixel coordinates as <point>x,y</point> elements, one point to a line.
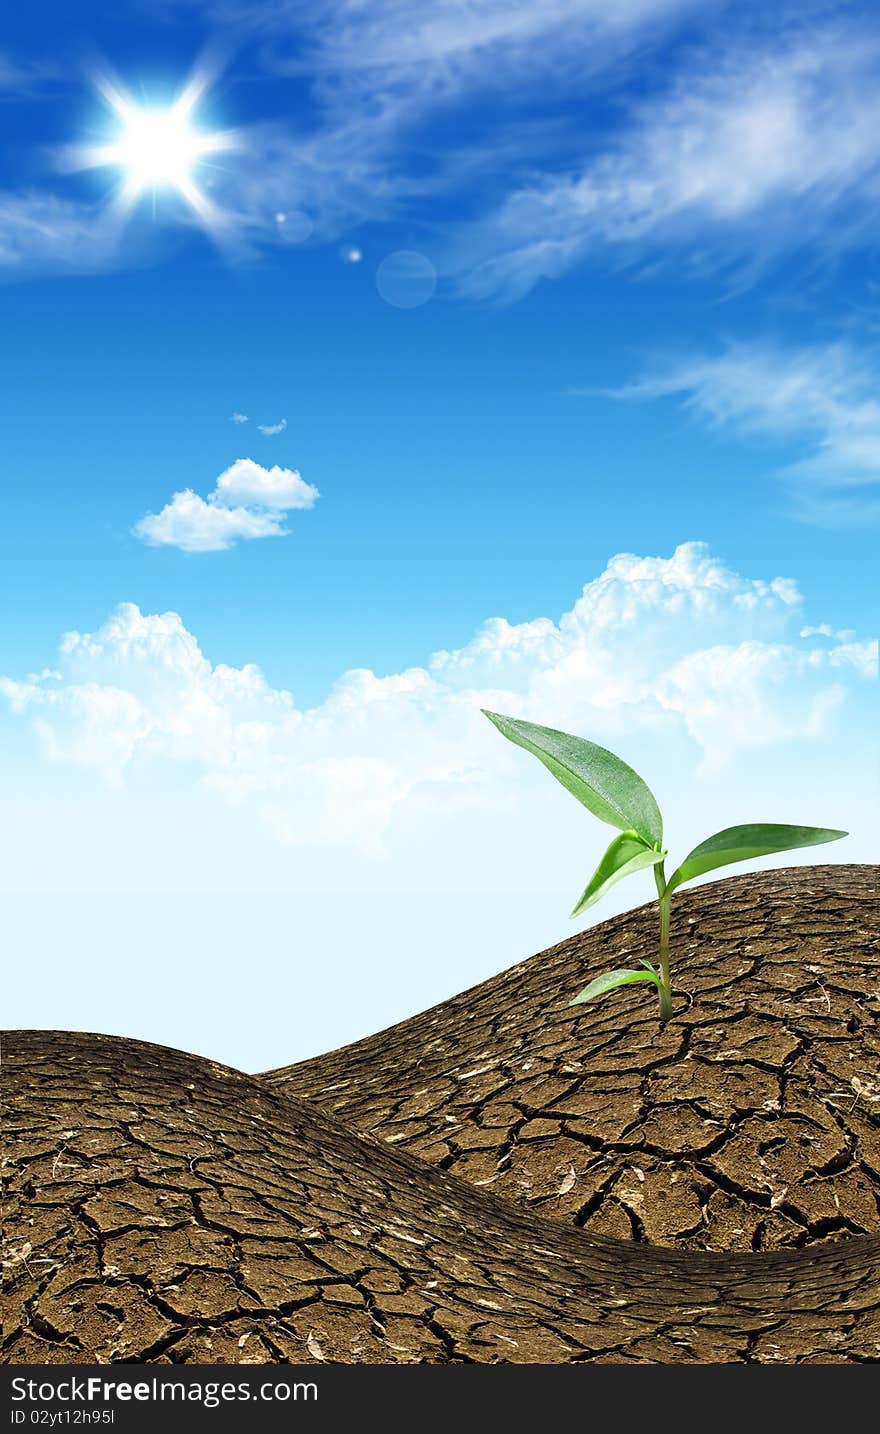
<point>314,1348</point>
<point>743,843</point>
<point>626,854</point>
<point>604,784</point>
<point>609,981</point>
<point>568,1183</point>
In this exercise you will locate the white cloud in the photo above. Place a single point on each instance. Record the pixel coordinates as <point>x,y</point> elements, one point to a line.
<point>754,149</point>
<point>270,429</point>
<point>752,695</point>
<point>656,652</point>
<point>41,231</point>
<point>194,526</point>
<point>381,71</point>
<point>247,502</point>
<point>824,629</point>
<point>375,73</point>
<point>238,418</point>
<point>823,398</point>
<point>751,140</point>
<point>278,488</point>
<point>339,36</point>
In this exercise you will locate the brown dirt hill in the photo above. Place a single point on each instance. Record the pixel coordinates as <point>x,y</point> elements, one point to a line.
<point>750,1122</point>
<point>160,1208</point>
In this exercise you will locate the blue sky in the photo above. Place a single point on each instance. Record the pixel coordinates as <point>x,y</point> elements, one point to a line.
<point>521,289</point>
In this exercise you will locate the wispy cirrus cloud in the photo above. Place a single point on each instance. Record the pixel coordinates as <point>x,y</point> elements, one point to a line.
<point>42,231</point>
<point>270,430</point>
<point>381,77</point>
<point>24,77</point>
<point>390,36</point>
<point>528,139</point>
<point>248,502</point>
<point>390,84</point>
<point>820,398</point>
<point>749,151</point>
<point>748,142</point>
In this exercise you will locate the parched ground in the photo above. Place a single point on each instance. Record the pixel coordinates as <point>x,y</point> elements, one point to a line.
<point>163,1209</point>
<point>750,1122</point>
<point>389,1202</point>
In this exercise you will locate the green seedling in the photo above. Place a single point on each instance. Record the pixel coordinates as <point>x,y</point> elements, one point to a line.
<point>616,794</point>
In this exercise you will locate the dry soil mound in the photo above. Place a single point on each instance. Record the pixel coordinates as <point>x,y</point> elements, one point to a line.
<point>161,1208</point>
<point>752,1121</point>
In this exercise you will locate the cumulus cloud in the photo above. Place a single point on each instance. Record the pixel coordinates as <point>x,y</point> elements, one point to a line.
<point>190,523</point>
<point>248,502</point>
<point>271,429</point>
<point>655,652</point>
<point>278,488</point>
<point>238,418</point>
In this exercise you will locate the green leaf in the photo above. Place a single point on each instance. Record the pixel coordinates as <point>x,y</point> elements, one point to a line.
<point>626,854</point>
<point>743,843</point>
<point>609,981</point>
<point>604,784</point>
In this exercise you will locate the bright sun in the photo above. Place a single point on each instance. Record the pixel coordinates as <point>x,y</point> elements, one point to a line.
<point>158,148</point>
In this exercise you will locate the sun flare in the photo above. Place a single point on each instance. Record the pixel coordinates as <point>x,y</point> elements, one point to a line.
<point>157,148</point>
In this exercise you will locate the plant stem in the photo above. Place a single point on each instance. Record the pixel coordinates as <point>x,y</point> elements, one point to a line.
<point>664,899</point>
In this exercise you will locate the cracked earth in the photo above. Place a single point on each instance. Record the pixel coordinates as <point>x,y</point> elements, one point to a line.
<point>498,1179</point>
